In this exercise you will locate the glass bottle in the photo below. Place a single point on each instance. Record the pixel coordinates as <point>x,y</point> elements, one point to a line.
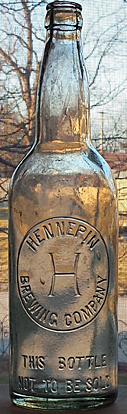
<point>63,241</point>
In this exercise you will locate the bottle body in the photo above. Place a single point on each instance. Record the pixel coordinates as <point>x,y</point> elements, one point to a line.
<point>68,348</point>
<point>63,277</point>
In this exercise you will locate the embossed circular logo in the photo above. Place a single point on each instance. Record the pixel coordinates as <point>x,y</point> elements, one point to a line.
<point>63,272</point>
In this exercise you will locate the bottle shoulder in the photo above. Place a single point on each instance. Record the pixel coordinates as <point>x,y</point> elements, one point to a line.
<point>102,166</point>
<point>89,164</point>
<point>77,184</point>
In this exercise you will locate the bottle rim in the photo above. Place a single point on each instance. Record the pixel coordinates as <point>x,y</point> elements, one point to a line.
<point>63,4</point>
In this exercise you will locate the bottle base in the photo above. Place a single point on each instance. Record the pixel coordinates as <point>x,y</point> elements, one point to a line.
<point>75,403</point>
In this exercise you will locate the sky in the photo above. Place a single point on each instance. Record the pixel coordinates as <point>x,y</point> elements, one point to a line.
<point>104,25</point>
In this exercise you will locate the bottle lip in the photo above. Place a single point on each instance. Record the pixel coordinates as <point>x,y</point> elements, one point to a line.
<point>63,15</point>
<point>63,4</point>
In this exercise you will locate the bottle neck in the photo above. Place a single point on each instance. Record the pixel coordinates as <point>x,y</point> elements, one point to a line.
<point>63,113</point>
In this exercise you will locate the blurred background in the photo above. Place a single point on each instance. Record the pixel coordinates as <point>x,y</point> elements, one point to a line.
<point>104,39</point>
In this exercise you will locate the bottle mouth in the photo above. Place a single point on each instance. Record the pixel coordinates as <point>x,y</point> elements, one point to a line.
<point>63,14</point>
<point>63,5</point>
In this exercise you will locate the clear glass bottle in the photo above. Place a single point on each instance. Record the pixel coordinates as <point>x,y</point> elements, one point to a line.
<point>63,241</point>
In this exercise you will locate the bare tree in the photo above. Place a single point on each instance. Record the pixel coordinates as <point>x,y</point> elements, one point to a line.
<point>20,63</point>
<point>105,46</point>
